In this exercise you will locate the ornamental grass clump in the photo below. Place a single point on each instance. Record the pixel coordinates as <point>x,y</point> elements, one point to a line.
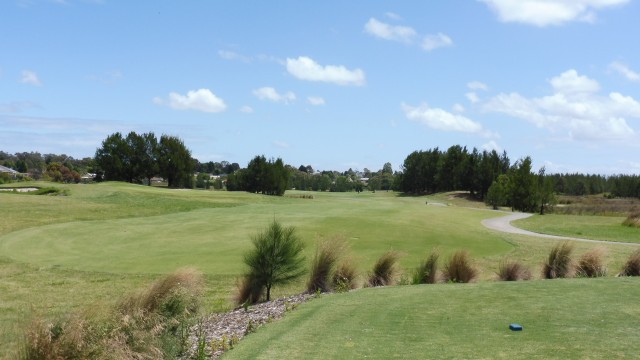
<point>345,277</point>
<point>632,266</point>
<point>559,263</point>
<point>510,270</point>
<point>427,271</point>
<point>385,270</point>
<point>633,220</point>
<point>459,268</point>
<point>324,265</point>
<point>591,263</point>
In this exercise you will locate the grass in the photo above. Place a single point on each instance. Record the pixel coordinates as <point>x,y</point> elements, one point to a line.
<point>559,264</point>
<point>461,321</point>
<point>427,271</point>
<point>385,271</point>
<point>632,265</point>
<point>591,263</point>
<point>607,228</point>
<point>511,270</point>
<point>111,238</point>
<point>459,268</point>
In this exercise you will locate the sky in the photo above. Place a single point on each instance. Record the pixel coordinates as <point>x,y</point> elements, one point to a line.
<point>331,84</point>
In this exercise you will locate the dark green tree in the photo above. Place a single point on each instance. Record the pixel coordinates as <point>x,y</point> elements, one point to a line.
<point>276,257</point>
<point>174,162</point>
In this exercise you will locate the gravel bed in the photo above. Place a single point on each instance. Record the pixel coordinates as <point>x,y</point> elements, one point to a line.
<point>221,331</point>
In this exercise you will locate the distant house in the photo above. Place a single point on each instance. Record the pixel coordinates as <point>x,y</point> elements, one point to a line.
<point>11,172</point>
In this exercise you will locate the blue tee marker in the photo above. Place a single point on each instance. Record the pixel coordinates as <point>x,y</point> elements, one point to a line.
<point>515,327</point>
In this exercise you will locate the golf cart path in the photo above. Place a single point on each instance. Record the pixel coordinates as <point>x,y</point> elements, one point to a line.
<point>503,224</point>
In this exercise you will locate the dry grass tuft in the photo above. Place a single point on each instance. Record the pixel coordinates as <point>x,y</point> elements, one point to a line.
<point>459,268</point>
<point>385,270</point>
<point>513,271</point>
<point>345,277</point>
<point>324,264</point>
<point>559,263</point>
<point>248,290</point>
<point>427,272</point>
<point>633,220</point>
<point>632,266</point>
<point>591,263</point>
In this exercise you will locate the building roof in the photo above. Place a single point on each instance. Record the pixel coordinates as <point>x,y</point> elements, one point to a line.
<point>8,170</point>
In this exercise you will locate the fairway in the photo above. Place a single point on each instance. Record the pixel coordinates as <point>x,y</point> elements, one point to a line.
<point>214,237</point>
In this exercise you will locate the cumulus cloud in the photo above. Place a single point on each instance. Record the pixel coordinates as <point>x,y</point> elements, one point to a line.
<point>549,12</point>
<point>491,145</point>
<point>458,108</point>
<point>434,41</point>
<point>199,100</point>
<point>575,107</point>
<point>269,93</point>
<point>624,70</point>
<point>389,32</point>
<point>30,77</point>
<point>440,119</point>
<point>315,100</point>
<point>305,68</point>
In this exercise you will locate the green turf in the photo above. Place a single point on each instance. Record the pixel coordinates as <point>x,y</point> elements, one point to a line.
<point>88,248</point>
<point>562,319</point>
<point>608,228</point>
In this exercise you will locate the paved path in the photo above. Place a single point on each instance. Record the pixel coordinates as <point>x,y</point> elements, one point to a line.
<point>503,224</point>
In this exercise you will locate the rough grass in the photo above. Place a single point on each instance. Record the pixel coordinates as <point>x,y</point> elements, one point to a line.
<point>511,270</point>
<point>592,263</point>
<point>559,263</point>
<point>346,276</point>
<point>632,265</point>
<point>146,325</point>
<point>459,268</point>
<point>385,271</point>
<point>427,271</point>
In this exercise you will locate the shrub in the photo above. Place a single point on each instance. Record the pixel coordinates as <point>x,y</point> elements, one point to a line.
<point>276,258</point>
<point>324,265</point>
<point>427,271</point>
<point>513,271</point>
<point>559,263</point>
<point>459,268</point>
<point>385,270</point>
<point>591,263</point>
<point>633,220</point>
<point>632,266</point>
<point>149,324</point>
<point>345,277</point>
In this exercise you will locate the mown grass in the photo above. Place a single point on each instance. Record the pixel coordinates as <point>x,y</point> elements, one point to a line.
<point>60,253</point>
<point>562,319</point>
<point>607,228</point>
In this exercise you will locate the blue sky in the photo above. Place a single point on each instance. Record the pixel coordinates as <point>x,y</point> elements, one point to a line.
<point>331,84</point>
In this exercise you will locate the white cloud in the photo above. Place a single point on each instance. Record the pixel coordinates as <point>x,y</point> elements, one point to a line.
<point>389,32</point>
<point>18,106</point>
<point>305,68</point>
<point>434,41</point>
<point>440,119</point>
<point>30,77</point>
<point>574,107</point>
<point>473,97</point>
<point>458,108</point>
<point>315,100</point>
<point>200,100</point>
<point>231,55</point>
<point>246,109</point>
<point>477,85</point>
<point>393,16</point>
<point>624,70</point>
<point>269,93</point>
<point>491,145</point>
<point>549,12</point>
<point>569,82</point>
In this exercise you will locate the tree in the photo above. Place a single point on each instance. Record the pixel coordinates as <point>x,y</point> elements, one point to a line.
<point>522,193</point>
<point>276,258</point>
<point>175,162</point>
<point>497,193</point>
<point>111,158</point>
<point>265,177</point>
<point>546,196</point>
